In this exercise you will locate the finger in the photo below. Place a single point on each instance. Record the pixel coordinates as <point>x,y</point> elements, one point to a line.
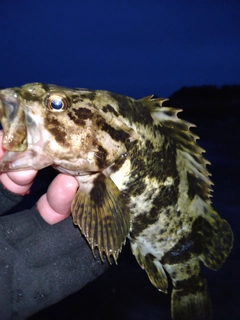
<point>18,182</point>
<point>55,205</point>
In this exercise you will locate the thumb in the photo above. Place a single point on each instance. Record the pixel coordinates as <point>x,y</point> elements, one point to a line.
<point>55,205</point>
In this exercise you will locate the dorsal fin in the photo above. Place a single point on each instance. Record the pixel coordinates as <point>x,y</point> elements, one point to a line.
<point>168,122</point>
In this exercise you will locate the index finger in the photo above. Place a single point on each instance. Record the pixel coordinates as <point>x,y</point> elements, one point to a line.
<point>18,182</point>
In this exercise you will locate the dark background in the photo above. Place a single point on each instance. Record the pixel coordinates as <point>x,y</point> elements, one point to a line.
<point>138,48</point>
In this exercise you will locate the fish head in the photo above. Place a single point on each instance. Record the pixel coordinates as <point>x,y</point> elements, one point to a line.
<point>68,128</point>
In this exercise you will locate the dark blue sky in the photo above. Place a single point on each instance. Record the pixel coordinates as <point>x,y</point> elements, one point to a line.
<point>133,47</point>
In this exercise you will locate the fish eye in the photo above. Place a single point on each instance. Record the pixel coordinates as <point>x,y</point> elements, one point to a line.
<point>56,102</point>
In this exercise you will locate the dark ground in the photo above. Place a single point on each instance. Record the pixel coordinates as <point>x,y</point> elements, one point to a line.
<point>124,291</point>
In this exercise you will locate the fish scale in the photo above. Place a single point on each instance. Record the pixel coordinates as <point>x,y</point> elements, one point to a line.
<point>141,175</point>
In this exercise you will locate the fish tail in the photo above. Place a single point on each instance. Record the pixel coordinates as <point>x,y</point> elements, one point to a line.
<point>190,300</point>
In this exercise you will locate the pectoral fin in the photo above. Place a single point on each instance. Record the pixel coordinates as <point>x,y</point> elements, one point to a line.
<point>102,216</point>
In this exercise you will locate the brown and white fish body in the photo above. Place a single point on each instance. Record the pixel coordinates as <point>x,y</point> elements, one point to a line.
<point>141,175</point>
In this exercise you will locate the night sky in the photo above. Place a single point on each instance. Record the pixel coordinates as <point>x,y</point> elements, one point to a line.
<point>131,47</point>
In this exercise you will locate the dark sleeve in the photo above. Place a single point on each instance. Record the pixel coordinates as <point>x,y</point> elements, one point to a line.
<point>8,199</point>
<point>41,264</point>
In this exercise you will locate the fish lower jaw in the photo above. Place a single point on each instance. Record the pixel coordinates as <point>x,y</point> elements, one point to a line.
<point>13,161</point>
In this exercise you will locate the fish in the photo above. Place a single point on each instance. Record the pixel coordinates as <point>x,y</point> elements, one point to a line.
<point>141,176</point>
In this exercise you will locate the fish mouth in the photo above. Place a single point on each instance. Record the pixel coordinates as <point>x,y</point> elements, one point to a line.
<point>12,118</point>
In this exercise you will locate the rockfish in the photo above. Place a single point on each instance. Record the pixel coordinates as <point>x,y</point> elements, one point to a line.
<point>141,175</point>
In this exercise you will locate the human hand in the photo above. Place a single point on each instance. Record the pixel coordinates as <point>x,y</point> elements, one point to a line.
<point>53,206</point>
<point>41,263</point>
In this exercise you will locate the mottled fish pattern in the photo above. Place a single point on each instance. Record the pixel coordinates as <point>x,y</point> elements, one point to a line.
<point>141,175</point>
